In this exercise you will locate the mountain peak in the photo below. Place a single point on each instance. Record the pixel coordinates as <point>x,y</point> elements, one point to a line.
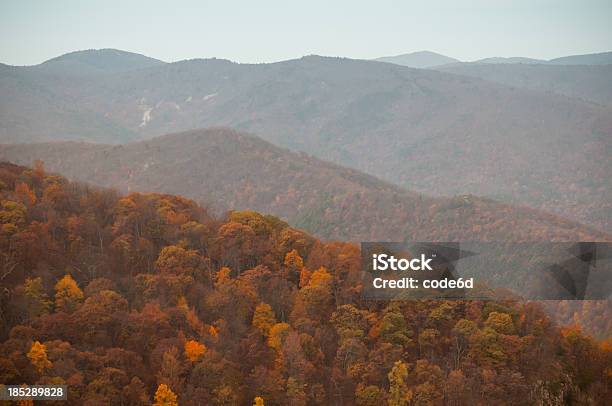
<point>94,61</point>
<point>419,59</point>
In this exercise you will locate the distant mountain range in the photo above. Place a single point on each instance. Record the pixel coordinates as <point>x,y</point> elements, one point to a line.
<point>510,60</point>
<point>588,77</point>
<point>428,59</point>
<point>421,59</point>
<point>432,132</point>
<point>603,58</point>
<point>590,83</point>
<point>228,170</point>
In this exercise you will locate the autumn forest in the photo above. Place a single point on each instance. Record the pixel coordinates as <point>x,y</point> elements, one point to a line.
<point>149,299</point>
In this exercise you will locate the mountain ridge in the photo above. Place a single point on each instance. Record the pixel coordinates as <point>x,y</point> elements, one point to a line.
<point>245,172</point>
<point>429,131</point>
<point>419,59</point>
<point>510,60</point>
<point>592,83</point>
<point>600,58</point>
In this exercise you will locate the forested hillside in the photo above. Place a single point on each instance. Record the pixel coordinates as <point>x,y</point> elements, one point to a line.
<point>230,170</point>
<point>131,299</point>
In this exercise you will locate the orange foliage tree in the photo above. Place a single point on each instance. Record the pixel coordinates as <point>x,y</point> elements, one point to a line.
<point>164,396</point>
<point>67,294</point>
<point>38,356</point>
<point>194,350</point>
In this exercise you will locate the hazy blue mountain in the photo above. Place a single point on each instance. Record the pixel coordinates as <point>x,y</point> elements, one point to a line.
<point>429,131</point>
<point>604,58</point>
<point>426,59</point>
<point>421,59</point>
<point>592,83</point>
<point>34,107</point>
<point>511,60</point>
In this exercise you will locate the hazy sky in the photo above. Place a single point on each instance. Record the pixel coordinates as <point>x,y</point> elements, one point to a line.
<point>262,31</point>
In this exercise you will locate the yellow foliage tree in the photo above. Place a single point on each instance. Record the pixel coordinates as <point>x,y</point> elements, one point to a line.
<point>194,350</point>
<point>263,318</point>
<point>177,260</point>
<point>258,401</point>
<point>12,213</point>
<point>256,221</point>
<point>320,278</point>
<point>67,294</point>
<point>38,356</point>
<point>317,294</point>
<point>293,262</point>
<point>277,336</point>
<point>399,393</point>
<point>500,322</point>
<point>164,396</point>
